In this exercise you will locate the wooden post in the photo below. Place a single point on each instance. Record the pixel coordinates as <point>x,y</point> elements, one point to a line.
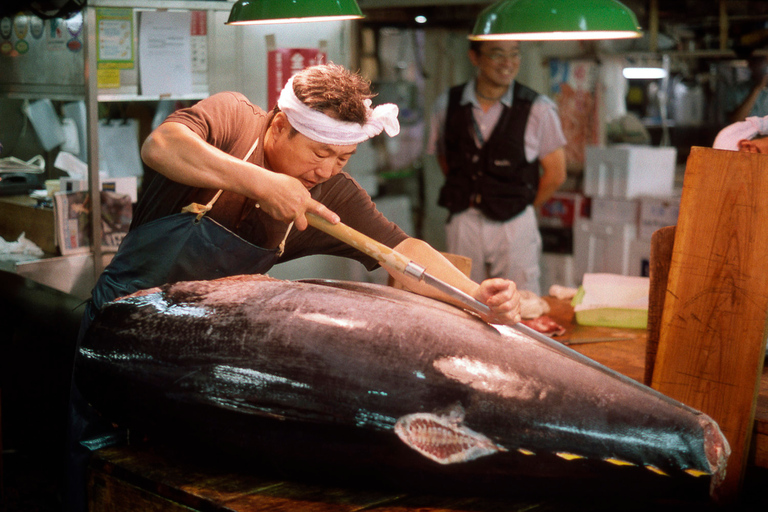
<point>713,327</point>
<point>662,241</point>
<point>653,26</point>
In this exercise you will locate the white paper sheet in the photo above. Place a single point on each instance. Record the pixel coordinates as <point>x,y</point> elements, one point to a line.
<point>46,122</point>
<point>119,153</point>
<point>165,53</point>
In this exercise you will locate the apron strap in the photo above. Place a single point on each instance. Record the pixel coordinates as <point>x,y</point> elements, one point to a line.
<point>281,247</point>
<point>201,210</point>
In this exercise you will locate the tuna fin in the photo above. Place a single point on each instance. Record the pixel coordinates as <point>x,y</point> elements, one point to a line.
<point>619,462</point>
<point>656,470</point>
<point>568,456</point>
<point>444,439</point>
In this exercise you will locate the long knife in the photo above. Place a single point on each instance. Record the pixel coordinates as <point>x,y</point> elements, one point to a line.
<point>403,264</point>
<point>394,259</point>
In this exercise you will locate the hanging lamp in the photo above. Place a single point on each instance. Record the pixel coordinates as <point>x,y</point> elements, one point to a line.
<point>255,12</point>
<point>541,20</point>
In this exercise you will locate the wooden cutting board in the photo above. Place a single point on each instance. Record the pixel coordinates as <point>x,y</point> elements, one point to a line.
<point>713,327</point>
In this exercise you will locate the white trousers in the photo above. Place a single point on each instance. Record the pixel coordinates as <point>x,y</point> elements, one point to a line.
<point>509,249</point>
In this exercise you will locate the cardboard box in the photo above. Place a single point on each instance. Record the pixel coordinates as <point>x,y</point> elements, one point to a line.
<point>20,214</point>
<point>656,213</point>
<point>560,210</point>
<point>627,171</point>
<point>126,185</point>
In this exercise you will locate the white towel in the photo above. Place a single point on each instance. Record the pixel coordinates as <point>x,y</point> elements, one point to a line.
<point>751,127</point>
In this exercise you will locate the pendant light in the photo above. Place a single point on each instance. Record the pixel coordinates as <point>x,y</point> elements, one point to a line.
<point>255,12</point>
<point>541,20</point>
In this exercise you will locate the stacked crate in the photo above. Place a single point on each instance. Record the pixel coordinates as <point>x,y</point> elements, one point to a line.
<point>631,194</point>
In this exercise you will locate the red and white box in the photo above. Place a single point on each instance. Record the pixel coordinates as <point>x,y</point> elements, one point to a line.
<point>560,210</point>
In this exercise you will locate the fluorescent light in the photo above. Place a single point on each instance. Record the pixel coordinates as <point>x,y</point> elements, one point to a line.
<point>644,73</point>
<point>420,19</point>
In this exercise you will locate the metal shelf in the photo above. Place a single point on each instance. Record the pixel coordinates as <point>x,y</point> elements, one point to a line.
<point>75,80</point>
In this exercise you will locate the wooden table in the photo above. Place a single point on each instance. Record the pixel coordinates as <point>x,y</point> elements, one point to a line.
<point>147,477</point>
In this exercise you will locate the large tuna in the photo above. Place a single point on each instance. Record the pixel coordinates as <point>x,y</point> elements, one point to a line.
<point>364,381</point>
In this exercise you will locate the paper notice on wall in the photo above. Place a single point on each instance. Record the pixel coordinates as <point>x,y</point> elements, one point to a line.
<point>165,53</point>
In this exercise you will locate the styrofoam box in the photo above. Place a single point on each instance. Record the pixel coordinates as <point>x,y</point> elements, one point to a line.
<point>608,210</point>
<point>126,185</point>
<point>626,171</point>
<point>557,269</point>
<point>656,213</point>
<point>602,247</point>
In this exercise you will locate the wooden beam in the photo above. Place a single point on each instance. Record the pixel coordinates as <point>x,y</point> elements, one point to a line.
<point>723,24</point>
<point>653,26</point>
<point>713,328</point>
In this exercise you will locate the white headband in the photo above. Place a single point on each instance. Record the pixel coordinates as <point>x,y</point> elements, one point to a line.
<point>751,127</point>
<point>322,128</point>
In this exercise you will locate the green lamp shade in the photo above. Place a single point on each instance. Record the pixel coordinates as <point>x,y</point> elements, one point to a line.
<point>538,20</point>
<point>253,12</point>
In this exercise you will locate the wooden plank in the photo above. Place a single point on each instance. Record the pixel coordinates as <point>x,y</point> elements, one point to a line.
<point>171,477</point>
<point>662,242</point>
<point>713,329</point>
<point>108,494</point>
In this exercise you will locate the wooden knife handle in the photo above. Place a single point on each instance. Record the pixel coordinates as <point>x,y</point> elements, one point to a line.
<point>361,242</point>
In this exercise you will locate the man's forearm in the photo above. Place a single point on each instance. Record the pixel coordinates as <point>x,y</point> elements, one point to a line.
<point>552,177</point>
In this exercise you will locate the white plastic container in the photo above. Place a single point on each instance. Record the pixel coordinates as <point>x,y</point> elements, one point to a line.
<point>627,171</point>
<point>601,247</point>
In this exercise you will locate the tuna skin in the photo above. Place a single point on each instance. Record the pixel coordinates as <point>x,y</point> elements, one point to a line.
<point>366,381</point>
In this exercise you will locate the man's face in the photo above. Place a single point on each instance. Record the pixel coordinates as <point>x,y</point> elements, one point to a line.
<point>308,161</point>
<point>754,146</point>
<point>497,62</point>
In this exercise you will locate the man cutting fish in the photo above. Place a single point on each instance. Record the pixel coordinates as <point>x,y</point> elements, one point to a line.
<point>258,174</point>
<point>234,186</point>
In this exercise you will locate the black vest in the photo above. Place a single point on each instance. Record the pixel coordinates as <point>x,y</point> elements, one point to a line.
<point>495,178</point>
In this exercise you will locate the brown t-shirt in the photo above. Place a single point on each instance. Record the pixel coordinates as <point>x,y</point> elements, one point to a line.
<point>231,123</point>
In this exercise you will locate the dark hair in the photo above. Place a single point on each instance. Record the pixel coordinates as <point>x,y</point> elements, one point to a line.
<point>475,46</point>
<point>335,91</point>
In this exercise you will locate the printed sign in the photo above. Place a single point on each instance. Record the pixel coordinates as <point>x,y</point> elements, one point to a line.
<point>283,63</point>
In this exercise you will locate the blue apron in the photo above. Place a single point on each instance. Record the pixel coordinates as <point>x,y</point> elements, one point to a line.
<point>181,247</point>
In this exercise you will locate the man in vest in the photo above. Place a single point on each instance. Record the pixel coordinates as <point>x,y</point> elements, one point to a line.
<point>501,148</point>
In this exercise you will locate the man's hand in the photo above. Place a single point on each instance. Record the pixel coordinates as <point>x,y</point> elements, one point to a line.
<point>290,201</point>
<point>502,297</point>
